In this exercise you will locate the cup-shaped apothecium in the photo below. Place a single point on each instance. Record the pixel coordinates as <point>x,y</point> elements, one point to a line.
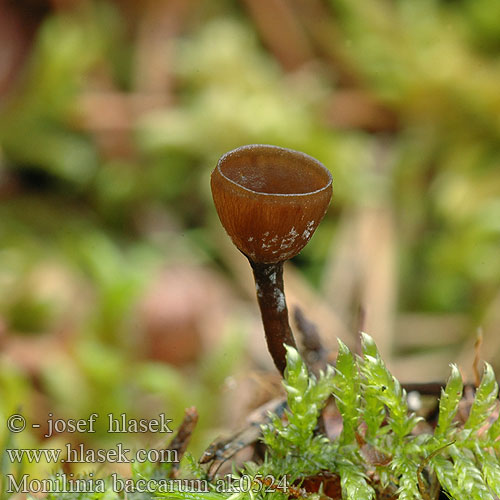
<point>270,200</point>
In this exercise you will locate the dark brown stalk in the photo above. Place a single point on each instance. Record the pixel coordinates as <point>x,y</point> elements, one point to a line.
<point>273,309</point>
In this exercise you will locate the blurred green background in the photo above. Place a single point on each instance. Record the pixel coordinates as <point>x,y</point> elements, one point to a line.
<point>119,290</point>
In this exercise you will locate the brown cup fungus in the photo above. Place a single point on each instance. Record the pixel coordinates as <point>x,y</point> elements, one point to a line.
<point>270,200</point>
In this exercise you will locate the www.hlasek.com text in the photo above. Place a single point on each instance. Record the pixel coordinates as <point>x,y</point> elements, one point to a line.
<point>81,455</point>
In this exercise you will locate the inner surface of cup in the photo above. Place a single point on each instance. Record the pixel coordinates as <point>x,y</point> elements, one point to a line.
<point>273,170</point>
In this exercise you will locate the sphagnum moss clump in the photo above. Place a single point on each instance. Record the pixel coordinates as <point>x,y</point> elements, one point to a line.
<point>391,458</point>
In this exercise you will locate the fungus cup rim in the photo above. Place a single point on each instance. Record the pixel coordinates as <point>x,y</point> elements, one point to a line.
<point>276,149</point>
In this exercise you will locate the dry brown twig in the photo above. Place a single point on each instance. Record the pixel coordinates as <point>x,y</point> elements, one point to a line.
<point>223,449</point>
<point>181,440</point>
